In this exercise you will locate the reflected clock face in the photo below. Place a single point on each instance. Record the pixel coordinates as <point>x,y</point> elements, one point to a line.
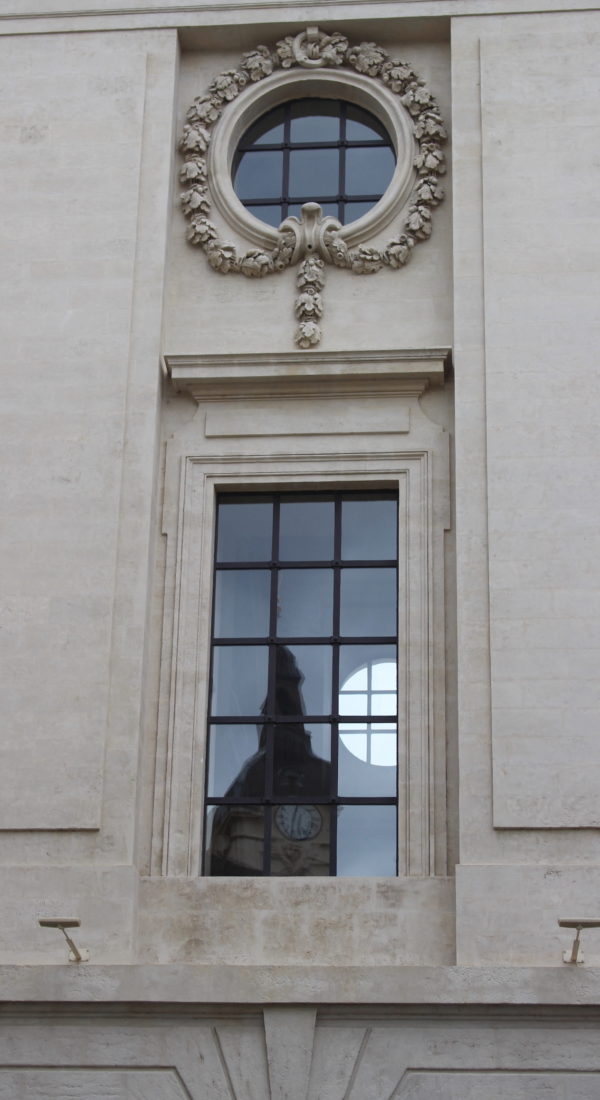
<point>298,822</point>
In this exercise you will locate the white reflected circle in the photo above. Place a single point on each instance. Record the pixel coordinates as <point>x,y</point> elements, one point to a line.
<point>374,743</point>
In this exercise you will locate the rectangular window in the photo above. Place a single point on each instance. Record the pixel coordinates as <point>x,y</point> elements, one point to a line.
<point>301,776</point>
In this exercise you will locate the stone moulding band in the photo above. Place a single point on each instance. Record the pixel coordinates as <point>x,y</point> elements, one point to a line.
<point>313,241</point>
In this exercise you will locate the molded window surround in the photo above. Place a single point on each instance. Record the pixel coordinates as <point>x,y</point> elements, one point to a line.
<point>280,428</point>
<point>280,87</point>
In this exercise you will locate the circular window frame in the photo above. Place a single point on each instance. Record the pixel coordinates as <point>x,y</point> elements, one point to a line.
<point>256,99</point>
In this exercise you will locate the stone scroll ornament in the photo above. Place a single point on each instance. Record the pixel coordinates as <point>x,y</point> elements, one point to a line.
<point>313,241</point>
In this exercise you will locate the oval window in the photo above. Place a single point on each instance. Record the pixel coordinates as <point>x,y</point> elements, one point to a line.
<point>313,150</point>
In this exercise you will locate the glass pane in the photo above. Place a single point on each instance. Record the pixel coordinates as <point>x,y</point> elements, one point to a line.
<point>235,762</point>
<point>302,760</point>
<point>244,531</point>
<point>314,120</point>
<point>355,210</point>
<point>313,172</point>
<point>242,599</point>
<point>267,131</point>
<point>305,603</point>
<point>367,676</point>
<point>361,125</point>
<point>328,208</point>
<point>272,215</point>
<point>303,680</point>
<point>369,170</point>
<point>353,702</point>
<point>234,840</point>
<point>382,703</point>
<point>259,175</point>
<point>367,602</point>
<point>306,530</point>
<point>367,762</point>
<point>366,840</point>
<point>300,840</point>
<point>239,680</point>
<point>369,530</point>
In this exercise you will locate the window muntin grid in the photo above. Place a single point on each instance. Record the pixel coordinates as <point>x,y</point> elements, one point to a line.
<point>313,150</point>
<point>280,777</point>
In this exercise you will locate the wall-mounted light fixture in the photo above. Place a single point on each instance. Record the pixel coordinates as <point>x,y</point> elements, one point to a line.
<point>574,956</point>
<point>75,954</point>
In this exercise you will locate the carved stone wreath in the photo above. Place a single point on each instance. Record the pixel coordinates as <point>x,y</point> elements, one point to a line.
<point>313,241</point>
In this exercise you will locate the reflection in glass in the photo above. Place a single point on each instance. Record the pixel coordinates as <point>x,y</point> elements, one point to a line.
<point>313,149</point>
<point>368,670</point>
<point>355,210</point>
<point>367,762</point>
<point>306,530</point>
<point>242,603</point>
<point>367,750</point>
<point>366,840</point>
<point>370,690</point>
<point>314,120</point>
<point>268,130</point>
<point>361,125</point>
<point>259,174</point>
<point>231,749</point>
<point>300,840</point>
<point>301,760</point>
<point>368,602</point>
<point>244,531</point>
<point>305,603</point>
<point>234,840</point>
<point>270,214</point>
<point>369,171</point>
<point>369,530</point>
<point>303,680</point>
<point>313,172</point>
<point>239,679</point>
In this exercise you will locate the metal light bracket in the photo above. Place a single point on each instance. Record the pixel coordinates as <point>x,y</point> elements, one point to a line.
<point>575,957</point>
<point>76,954</point>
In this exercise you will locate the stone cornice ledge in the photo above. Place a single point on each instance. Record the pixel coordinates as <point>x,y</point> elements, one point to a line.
<point>294,371</point>
<point>341,985</point>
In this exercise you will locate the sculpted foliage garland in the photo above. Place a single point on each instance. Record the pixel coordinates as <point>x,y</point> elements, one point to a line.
<point>315,240</point>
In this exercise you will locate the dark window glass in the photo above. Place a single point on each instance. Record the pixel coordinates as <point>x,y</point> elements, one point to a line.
<point>269,214</point>
<point>368,169</point>
<point>314,120</point>
<point>306,530</point>
<point>239,679</point>
<point>366,840</point>
<point>311,168</point>
<point>259,174</point>
<point>302,751</point>
<point>231,750</point>
<point>235,839</point>
<point>368,602</point>
<point>313,150</point>
<point>244,531</point>
<point>369,529</point>
<point>305,603</point>
<point>242,599</point>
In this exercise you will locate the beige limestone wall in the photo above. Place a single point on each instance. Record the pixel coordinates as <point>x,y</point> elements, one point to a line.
<point>526,292</point>
<point>85,122</point>
<point>281,1052</point>
<point>294,922</point>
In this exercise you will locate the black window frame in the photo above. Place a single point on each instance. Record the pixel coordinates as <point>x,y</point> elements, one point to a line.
<point>285,199</point>
<point>269,719</point>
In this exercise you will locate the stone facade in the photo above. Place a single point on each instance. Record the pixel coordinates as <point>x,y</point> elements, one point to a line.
<point>184,351</point>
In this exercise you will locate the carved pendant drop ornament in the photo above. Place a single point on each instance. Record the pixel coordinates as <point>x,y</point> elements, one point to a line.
<point>313,241</point>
